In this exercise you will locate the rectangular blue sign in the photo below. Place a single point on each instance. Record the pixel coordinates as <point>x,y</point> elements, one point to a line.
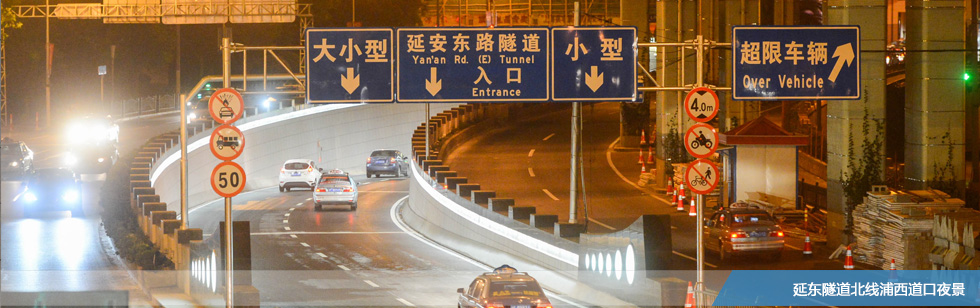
<point>473,65</point>
<point>348,65</point>
<point>594,64</point>
<point>796,62</point>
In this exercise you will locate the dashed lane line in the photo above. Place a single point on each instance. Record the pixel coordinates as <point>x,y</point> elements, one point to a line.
<point>693,259</point>
<point>371,283</point>
<point>320,254</point>
<point>602,224</point>
<point>285,221</point>
<point>549,137</point>
<point>343,267</point>
<point>407,303</point>
<point>308,199</point>
<point>549,194</point>
<point>287,214</point>
<point>287,228</point>
<point>304,244</point>
<point>299,204</point>
<point>531,153</point>
<point>530,171</point>
<point>293,236</point>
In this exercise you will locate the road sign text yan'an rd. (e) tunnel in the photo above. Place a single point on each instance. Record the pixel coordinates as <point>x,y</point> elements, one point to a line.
<point>796,63</point>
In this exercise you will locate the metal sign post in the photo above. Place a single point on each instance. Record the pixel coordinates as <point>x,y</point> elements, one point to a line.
<point>229,257</point>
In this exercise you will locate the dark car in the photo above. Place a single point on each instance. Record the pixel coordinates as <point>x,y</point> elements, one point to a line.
<point>743,229</point>
<point>51,189</point>
<point>92,158</point>
<point>92,144</point>
<point>17,158</point>
<point>387,162</point>
<point>504,287</point>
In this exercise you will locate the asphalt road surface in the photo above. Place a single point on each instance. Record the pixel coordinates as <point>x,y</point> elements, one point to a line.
<point>530,162</point>
<point>57,252</point>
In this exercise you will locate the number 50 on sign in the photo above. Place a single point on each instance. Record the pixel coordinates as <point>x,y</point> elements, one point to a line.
<point>228,179</point>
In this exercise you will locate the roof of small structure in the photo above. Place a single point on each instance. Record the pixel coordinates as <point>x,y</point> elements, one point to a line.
<point>761,131</point>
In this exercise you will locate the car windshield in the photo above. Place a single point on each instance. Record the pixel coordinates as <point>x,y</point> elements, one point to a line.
<point>514,288</point>
<point>52,177</point>
<point>296,166</point>
<point>383,154</point>
<point>10,149</point>
<point>334,180</point>
<point>751,218</point>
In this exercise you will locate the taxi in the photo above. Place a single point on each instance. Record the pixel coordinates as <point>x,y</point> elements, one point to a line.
<point>504,287</point>
<point>743,228</point>
<point>335,187</point>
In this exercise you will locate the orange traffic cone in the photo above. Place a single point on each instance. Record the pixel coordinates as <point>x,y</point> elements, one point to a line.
<point>670,189</point>
<point>639,160</point>
<point>680,199</point>
<point>643,168</point>
<point>807,250</point>
<point>693,209</point>
<point>643,137</point>
<point>673,199</point>
<point>650,155</point>
<point>893,275</point>
<point>689,303</point>
<point>848,260</point>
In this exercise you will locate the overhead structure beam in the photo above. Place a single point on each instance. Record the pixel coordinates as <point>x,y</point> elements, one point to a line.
<point>211,9</point>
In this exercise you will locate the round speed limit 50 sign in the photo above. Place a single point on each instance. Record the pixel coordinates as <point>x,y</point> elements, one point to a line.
<point>228,179</point>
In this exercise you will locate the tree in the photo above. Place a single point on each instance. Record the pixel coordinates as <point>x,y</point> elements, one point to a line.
<point>9,20</point>
<point>866,170</point>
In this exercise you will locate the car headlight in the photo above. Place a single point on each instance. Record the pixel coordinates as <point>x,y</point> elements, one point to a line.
<point>70,159</point>
<point>101,159</point>
<point>30,197</point>
<point>14,164</point>
<point>70,196</point>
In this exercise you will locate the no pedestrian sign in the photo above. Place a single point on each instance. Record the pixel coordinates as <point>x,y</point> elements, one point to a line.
<point>796,62</point>
<point>701,176</point>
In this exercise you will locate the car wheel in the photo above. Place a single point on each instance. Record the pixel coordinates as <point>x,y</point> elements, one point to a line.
<point>288,189</point>
<point>77,213</point>
<point>281,189</point>
<point>353,206</point>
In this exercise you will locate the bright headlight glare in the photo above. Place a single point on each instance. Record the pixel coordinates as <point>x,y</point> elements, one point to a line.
<point>14,164</point>
<point>70,159</point>
<point>30,197</point>
<point>70,196</point>
<point>101,159</point>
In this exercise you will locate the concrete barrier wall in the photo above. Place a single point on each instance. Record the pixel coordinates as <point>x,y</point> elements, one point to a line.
<point>342,135</point>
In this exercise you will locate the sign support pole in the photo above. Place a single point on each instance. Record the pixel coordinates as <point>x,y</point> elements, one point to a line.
<point>229,258</point>
<point>426,131</point>
<point>184,222</point>
<point>699,201</point>
<point>573,193</point>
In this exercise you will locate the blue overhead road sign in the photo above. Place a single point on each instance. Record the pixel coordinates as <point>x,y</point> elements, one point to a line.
<point>472,65</point>
<point>594,63</point>
<point>796,62</point>
<point>346,65</point>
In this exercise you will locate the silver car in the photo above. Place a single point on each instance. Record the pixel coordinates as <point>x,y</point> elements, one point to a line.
<point>743,229</point>
<point>335,188</point>
<point>504,287</point>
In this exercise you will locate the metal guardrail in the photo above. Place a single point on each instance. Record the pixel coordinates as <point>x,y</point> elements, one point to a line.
<point>143,106</point>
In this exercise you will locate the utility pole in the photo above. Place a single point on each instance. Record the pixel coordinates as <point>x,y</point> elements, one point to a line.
<point>573,186</point>
<point>49,54</point>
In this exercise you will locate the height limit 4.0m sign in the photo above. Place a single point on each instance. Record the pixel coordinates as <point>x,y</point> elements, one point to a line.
<point>796,62</point>
<point>701,104</point>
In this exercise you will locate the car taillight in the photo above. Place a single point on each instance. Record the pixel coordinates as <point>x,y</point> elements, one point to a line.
<point>738,235</point>
<point>495,305</point>
<point>776,233</point>
<point>544,305</point>
<point>309,169</point>
<point>348,189</point>
<point>392,160</point>
<point>369,160</point>
<point>321,190</point>
<point>283,170</point>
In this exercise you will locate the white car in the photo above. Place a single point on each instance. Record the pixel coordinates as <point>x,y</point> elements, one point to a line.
<point>335,187</point>
<point>298,173</point>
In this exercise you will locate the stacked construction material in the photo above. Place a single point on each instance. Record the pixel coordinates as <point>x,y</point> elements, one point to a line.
<point>898,225</point>
<point>955,238</point>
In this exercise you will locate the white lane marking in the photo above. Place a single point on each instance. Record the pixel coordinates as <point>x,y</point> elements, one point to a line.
<point>530,171</point>
<point>484,267</point>
<point>293,236</point>
<point>221,200</point>
<point>602,224</point>
<point>794,247</point>
<point>673,227</point>
<point>292,209</point>
<point>308,199</point>
<point>285,221</point>
<point>326,233</point>
<point>385,191</point>
<point>407,303</point>
<point>304,244</point>
<point>299,204</point>
<point>550,194</point>
<point>320,254</point>
<point>549,137</point>
<point>531,153</point>
<point>371,283</point>
<point>693,259</point>
<point>287,214</point>
<point>343,267</point>
<point>620,174</point>
<point>287,228</point>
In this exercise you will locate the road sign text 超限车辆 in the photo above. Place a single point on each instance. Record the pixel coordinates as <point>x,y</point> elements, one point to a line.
<point>594,64</point>
<point>473,65</point>
<point>796,62</point>
<point>347,65</point>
